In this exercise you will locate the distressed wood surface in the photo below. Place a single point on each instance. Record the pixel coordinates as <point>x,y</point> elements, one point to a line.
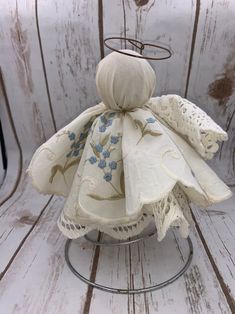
<point>212,77</point>
<point>70,46</point>
<point>217,225</point>
<point>12,147</point>
<point>155,21</point>
<point>47,286</point>
<point>22,72</point>
<point>48,58</point>
<point>17,217</point>
<point>2,170</point>
<point>150,262</point>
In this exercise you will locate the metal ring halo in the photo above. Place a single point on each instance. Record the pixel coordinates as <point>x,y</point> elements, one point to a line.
<point>141,47</point>
<point>129,291</point>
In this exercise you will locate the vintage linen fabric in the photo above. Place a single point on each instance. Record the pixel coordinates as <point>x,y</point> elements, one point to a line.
<point>132,159</point>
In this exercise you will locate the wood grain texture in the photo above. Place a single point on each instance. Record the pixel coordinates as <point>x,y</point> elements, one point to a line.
<point>149,262</point>
<point>168,23</point>
<point>21,64</point>
<point>17,217</point>
<point>12,147</point>
<point>70,44</point>
<point>217,225</point>
<point>212,78</point>
<point>46,283</point>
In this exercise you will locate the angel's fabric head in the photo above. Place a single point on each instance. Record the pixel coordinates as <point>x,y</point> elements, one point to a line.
<point>124,82</point>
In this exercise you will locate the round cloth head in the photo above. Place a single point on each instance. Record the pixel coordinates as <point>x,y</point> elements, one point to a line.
<point>124,82</point>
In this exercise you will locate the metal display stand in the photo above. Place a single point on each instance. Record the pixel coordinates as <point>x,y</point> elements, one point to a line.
<point>127,242</point>
<point>136,44</point>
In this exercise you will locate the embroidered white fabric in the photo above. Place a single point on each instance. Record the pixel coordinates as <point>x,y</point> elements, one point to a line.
<point>172,210</point>
<point>132,159</point>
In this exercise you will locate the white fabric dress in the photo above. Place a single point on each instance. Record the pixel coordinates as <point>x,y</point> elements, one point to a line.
<point>131,159</point>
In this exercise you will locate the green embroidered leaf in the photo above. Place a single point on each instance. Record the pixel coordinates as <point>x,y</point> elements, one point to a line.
<point>153,133</point>
<point>54,172</point>
<point>122,183</point>
<point>95,150</point>
<point>104,140</point>
<point>139,124</point>
<point>109,198</point>
<point>72,163</point>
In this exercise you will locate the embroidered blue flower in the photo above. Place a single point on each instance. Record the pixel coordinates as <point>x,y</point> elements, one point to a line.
<point>72,136</point>
<point>114,139</point>
<point>106,154</point>
<point>113,165</point>
<point>102,164</point>
<point>92,159</point>
<point>102,128</point>
<point>76,153</point>
<point>150,120</point>
<point>108,123</point>
<point>99,148</point>
<point>108,176</point>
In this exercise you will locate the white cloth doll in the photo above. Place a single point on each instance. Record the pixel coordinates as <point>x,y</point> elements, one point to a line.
<point>131,159</point>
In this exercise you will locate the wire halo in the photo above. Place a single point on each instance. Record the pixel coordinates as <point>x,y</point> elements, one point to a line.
<point>138,44</point>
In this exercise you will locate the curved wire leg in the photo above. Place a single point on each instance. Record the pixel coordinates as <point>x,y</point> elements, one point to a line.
<point>129,291</point>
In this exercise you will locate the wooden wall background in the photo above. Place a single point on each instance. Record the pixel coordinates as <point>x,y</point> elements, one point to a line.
<point>48,56</point>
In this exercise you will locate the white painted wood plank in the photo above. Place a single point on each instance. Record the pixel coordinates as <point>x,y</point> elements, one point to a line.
<point>168,23</point>
<point>13,152</point>
<point>212,78</point>
<point>22,70</point>
<point>38,280</point>
<point>217,225</point>
<point>70,42</point>
<point>17,216</point>
<point>197,291</point>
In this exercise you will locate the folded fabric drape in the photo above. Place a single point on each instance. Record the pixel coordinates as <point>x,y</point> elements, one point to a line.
<point>132,159</point>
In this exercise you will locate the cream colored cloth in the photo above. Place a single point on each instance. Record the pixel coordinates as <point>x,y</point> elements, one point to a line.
<point>132,158</point>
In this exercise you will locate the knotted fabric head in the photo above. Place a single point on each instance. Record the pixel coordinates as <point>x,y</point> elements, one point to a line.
<point>125,82</point>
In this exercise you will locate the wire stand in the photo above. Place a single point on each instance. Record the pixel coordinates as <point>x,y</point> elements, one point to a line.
<point>127,242</point>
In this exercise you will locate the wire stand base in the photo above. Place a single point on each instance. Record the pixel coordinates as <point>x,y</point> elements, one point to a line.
<point>127,242</point>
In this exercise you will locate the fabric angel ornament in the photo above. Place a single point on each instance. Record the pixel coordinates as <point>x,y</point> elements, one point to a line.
<point>132,159</point>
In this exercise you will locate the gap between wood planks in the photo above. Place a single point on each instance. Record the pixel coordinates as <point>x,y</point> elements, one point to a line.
<point>224,287</point>
<point>24,239</point>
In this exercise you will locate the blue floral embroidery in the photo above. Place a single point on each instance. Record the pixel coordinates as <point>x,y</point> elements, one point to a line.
<point>72,136</point>
<point>114,139</point>
<point>102,164</point>
<point>77,146</point>
<point>92,159</point>
<point>113,165</point>
<point>102,128</point>
<point>106,120</point>
<point>108,176</point>
<point>106,154</point>
<point>150,120</point>
<point>99,148</point>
